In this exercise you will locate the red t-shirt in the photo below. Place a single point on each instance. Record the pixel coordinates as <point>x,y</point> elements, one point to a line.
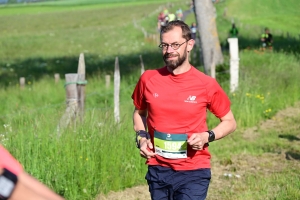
<point>178,104</point>
<point>7,161</point>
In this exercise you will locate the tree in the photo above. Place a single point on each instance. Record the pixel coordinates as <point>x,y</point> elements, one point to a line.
<point>210,48</point>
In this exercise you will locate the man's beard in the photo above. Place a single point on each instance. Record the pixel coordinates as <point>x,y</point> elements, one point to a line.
<point>173,64</point>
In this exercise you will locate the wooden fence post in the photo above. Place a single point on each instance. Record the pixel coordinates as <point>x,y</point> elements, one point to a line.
<point>107,81</point>
<point>81,85</point>
<point>142,65</point>
<point>72,102</point>
<point>234,63</point>
<point>117,91</point>
<point>56,77</point>
<point>22,82</point>
<point>225,12</point>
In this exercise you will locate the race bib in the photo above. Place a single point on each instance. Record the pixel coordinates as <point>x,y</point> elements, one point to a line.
<point>169,145</point>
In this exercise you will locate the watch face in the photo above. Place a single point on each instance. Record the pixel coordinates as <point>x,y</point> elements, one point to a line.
<point>6,187</point>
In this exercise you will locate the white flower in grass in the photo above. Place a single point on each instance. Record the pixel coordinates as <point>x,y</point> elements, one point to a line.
<point>231,175</point>
<point>129,166</point>
<point>7,127</point>
<point>3,139</point>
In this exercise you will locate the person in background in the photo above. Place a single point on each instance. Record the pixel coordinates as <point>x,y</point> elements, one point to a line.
<point>179,14</point>
<point>267,40</point>
<point>169,119</point>
<point>171,17</point>
<point>233,32</point>
<point>160,20</point>
<point>166,12</point>
<point>16,184</point>
<point>193,30</point>
<point>192,6</point>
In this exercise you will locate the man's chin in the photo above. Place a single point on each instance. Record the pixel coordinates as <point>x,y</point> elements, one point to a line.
<point>172,66</point>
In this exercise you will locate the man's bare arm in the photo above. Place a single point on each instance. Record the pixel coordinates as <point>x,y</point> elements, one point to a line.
<point>226,126</point>
<point>29,188</point>
<point>139,119</point>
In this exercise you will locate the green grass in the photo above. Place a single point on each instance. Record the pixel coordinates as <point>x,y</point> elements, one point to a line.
<point>98,156</point>
<point>93,31</point>
<point>267,14</point>
<point>71,5</point>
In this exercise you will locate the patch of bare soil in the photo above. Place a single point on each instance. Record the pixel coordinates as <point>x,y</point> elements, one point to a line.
<point>277,122</point>
<point>134,193</point>
<point>237,167</point>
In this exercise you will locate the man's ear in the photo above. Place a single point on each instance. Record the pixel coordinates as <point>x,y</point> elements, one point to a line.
<point>190,45</point>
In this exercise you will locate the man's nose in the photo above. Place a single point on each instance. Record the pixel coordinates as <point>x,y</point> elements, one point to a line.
<point>170,49</point>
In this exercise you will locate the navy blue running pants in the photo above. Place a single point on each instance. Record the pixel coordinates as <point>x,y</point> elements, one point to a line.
<point>168,184</point>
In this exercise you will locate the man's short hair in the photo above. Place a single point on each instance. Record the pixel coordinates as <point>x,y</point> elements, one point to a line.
<point>186,31</point>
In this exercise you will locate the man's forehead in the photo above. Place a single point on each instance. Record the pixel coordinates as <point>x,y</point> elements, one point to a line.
<point>172,36</point>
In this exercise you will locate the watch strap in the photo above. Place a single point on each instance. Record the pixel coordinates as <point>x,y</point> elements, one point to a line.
<point>211,135</point>
<point>139,135</point>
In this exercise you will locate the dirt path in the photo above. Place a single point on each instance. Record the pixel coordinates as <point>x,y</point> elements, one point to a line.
<point>242,163</point>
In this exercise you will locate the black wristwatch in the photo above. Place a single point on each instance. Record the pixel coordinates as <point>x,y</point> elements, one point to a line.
<point>8,181</point>
<point>141,134</point>
<point>211,135</point>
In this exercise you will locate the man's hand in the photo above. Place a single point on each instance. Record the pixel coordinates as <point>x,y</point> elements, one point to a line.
<point>146,148</point>
<point>198,140</point>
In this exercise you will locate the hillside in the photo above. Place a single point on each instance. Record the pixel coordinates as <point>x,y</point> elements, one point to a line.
<point>98,155</point>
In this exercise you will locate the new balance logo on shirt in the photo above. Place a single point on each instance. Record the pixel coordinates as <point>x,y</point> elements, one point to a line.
<point>191,99</point>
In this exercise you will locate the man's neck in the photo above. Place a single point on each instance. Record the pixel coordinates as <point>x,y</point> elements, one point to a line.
<point>180,69</point>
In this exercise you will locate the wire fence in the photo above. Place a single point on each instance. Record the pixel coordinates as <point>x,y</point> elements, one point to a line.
<point>105,93</point>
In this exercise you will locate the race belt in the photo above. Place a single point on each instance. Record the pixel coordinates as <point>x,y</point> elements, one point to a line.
<point>172,146</point>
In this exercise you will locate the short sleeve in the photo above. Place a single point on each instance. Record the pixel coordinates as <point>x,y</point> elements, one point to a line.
<point>7,161</point>
<point>219,103</point>
<point>138,94</point>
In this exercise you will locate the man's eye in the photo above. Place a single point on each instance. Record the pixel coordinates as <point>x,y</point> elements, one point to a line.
<point>175,45</point>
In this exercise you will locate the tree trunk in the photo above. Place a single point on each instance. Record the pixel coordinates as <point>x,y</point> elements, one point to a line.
<point>210,48</point>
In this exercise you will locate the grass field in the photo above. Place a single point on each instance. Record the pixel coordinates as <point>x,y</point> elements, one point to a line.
<point>98,156</point>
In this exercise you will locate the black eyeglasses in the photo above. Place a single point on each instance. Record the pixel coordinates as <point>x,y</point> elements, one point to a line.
<point>174,46</point>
